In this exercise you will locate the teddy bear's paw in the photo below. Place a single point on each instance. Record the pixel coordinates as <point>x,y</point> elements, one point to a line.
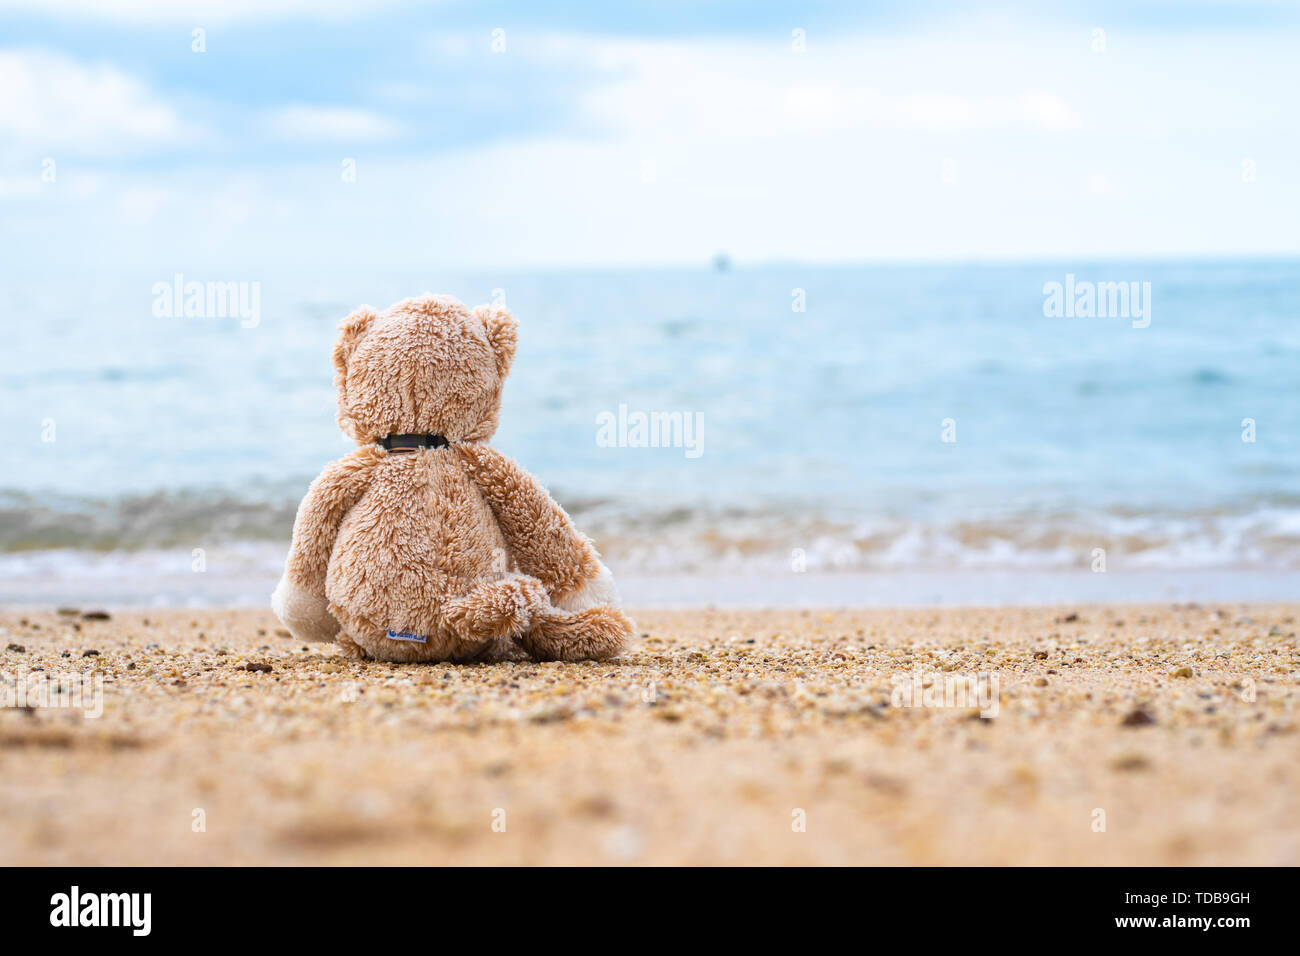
<point>304,612</point>
<point>593,592</point>
<point>496,609</point>
<point>595,634</point>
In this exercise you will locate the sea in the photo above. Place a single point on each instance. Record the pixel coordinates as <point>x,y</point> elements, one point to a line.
<point>739,435</point>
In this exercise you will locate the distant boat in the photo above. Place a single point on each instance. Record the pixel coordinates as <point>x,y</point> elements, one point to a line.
<point>722,262</point>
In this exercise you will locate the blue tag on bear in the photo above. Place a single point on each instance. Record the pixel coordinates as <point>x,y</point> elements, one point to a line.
<point>404,636</point>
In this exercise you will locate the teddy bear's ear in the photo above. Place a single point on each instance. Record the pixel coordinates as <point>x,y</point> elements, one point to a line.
<point>353,329</point>
<point>502,332</point>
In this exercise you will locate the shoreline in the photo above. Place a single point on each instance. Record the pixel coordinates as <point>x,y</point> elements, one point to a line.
<point>708,743</point>
<point>122,588</point>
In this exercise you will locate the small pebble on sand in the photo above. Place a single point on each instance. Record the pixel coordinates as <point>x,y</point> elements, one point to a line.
<point>1138,718</point>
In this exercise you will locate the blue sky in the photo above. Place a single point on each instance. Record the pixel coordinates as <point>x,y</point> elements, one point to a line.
<point>641,133</point>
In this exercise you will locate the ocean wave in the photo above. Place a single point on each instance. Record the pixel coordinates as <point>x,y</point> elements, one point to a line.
<point>679,538</point>
<point>139,522</point>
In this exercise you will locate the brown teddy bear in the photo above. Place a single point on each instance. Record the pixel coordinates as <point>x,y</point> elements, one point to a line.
<point>426,543</point>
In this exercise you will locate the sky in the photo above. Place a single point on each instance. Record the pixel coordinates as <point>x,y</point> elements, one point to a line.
<point>148,136</point>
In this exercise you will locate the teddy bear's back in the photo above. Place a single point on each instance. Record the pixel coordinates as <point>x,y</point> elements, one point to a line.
<point>421,534</point>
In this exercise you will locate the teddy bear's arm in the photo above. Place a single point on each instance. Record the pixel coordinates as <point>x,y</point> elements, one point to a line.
<point>541,537</point>
<point>299,599</point>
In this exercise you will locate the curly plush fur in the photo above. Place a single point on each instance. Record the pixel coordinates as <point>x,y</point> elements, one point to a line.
<point>456,545</point>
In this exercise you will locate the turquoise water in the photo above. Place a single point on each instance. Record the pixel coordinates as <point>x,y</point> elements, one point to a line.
<point>822,430</point>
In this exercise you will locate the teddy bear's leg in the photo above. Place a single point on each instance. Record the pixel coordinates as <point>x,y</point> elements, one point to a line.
<point>495,609</point>
<point>592,634</point>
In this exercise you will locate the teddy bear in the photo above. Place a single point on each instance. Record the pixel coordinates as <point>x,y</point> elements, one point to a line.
<point>426,543</point>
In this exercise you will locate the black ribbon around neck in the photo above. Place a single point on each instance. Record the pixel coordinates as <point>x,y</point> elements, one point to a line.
<point>408,443</point>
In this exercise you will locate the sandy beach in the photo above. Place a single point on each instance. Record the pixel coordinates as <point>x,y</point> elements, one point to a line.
<point>1122,735</point>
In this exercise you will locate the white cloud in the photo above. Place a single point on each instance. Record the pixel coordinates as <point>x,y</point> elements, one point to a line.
<point>197,12</point>
<point>49,103</point>
<point>760,91</point>
<point>330,124</point>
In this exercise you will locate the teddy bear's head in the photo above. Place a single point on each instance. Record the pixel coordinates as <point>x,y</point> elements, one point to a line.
<point>426,366</point>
